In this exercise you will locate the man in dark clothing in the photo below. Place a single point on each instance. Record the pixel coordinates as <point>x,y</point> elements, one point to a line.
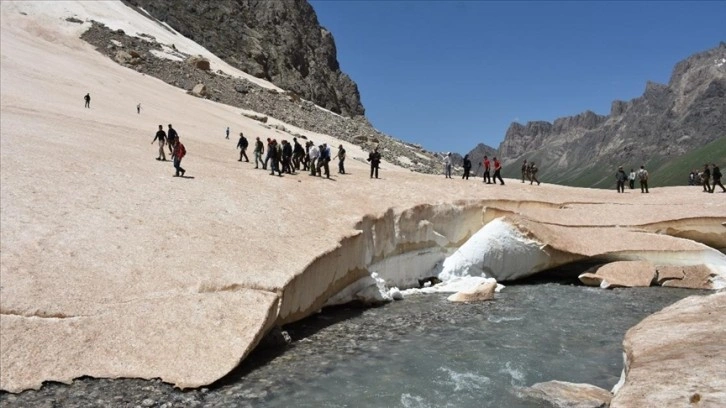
<point>375,158</point>
<point>87,98</point>
<point>716,173</point>
<point>706,178</point>
<point>242,146</point>
<point>643,177</point>
<point>269,154</point>
<point>274,154</point>
<point>259,150</point>
<point>620,178</point>
<point>171,137</point>
<point>161,137</point>
<point>467,167</point>
<point>298,154</point>
<point>323,160</point>
<point>497,171</point>
<point>532,173</point>
<point>178,154</point>
<point>286,157</point>
<point>341,159</point>
<point>525,170</point>
<point>487,166</point>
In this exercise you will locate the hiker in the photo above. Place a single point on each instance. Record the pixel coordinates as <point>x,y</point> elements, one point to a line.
<point>275,154</point>
<point>706,178</point>
<point>467,167</point>
<point>631,179</point>
<point>259,150</point>
<point>313,154</point>
<point>643,177</point>
<point>497,171</point>
<point>178,154</point>
<point>242,146</point>
<point>298,153</point>
<point>286,157</point>
<point>447,165</point>
<point>620,178</point>
<point>716,173</point>
<point>525,170</point>
<point>87,98</point>
<point>227,133</point>
<point>138,109</point>
<point>161,137</point>
<point>532,173</point>
<point>306,159</point>
<point>375,159</point>
<point>323,160</point>
<point>171,137</point>
<point>487,166</point>
<point>269,153</point>
<point>341,159</point>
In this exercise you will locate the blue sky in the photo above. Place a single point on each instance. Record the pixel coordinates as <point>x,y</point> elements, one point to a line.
<point>451,74</point>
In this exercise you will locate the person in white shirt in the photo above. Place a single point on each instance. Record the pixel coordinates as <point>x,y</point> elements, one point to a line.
<point>447,165</point>
<point>314,154</point>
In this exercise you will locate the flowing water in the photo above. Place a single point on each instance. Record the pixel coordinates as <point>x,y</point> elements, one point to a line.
<point>420,352</point>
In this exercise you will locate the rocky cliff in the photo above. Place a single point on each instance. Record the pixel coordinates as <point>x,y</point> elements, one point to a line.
<point>662,125</point>
<point>279,41</point>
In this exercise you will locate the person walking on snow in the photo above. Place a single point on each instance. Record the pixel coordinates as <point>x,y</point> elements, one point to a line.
<point>375,159</point>
<point>447,165</point>
<point>227,133</point>
<point>138,109</point>
<point>341,159</point>
<point>259,151</point>
<point>467,167</point>
<point>242,146</point>
<point>525,169</point>
<point>171,137</point>
<point>87,98</point>
<point>178,154</point>
<point>620,178</point>
<point>716,174</point>
<point>161,137</point>
<point>487,167</point>
<point>497,171</point>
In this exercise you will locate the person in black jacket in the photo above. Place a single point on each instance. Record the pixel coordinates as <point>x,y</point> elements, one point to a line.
<point>706,177</point>
<point>161,137</point>
<point>467,167</point>
<point>716,174</point>
<point>286,157</point>
<point>375,159</point>
<point>242,146</point>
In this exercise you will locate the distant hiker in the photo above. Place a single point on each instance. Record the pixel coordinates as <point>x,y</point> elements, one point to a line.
<point>525,169</point>
<point>161,137</point>
<point>631,179</point>
<point>171,137</point>
<point>643,177</point>
<point>269,153</point>
<point>259,150</point>
<point>620,178</point>
<point>532,173</point>
<point>87,98</point>
<point>298,153</point>
<point>447,165</point>
<point>487,166</point>
<point>467,167</point>
<point>706,178</point>
<point>323,160</point>
<point>375,159</point>
<point>716,173</point>
<point>275,154</point>
<point>341,159</point>
<point>227,133</point>
<point>242,146</point>
<point>314,153</point>
<point>692,178</point>
<point>497,171</point>
<point>287,158</point>
<point>138,109</point>
<point>178,154</point>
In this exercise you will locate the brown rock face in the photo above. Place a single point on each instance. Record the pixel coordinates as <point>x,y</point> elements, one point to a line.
<point>626,274</point>
<point>675,358</point>
<point>693,277</point>
<point>562,394</point>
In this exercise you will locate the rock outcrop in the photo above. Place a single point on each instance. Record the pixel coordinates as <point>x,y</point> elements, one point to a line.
<point>561,394</point>
<point>280,41</point>
<point>657,128</point>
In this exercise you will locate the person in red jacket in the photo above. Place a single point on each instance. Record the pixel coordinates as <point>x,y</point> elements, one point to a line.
<point>497,170</point>
<point>178,154</point>
<point>487,167</point>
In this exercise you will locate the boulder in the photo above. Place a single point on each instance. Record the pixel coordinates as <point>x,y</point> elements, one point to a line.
<point>623,274</point>
<point>562,394</point>
<point>692,276</point>
<point>123,57</point>
<point>199,90</point>
<point>199,62</point>
<point>483,292</point>
<point>258,118</point>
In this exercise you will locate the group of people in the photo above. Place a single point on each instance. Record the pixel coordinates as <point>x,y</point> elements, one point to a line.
<point>467,169</point>
<point>705,176</point>
<point>529,172</point>
<point>177,151</point>
<point>621,178</point>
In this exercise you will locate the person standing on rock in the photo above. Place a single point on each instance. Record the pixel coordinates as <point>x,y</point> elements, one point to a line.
<point>227,133</point>
<point>375,159</point>
<point>161,137</point>
<point>87,98</point>
<point>447,165</point>
<point>487,167</point>
<point>620,178</point>
<point>706,178</point>
<point>178,154</point>
<point>525,168</point>
<point>242,146</point>
<point>497,171</point>
<point>716,173</point>
<point>341,159</point>
<point>643,177</point>
<point>631,179</point>
<point>171,137</point>
<point>467,167</point>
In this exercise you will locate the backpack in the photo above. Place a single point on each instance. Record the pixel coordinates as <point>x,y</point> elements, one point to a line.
<point>643,175</point>
<point>182,150</point>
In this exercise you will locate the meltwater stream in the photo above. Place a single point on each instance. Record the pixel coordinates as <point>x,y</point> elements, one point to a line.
<point>422,351</point>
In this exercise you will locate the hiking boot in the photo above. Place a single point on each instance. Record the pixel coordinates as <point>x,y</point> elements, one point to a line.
<point>182,172</point>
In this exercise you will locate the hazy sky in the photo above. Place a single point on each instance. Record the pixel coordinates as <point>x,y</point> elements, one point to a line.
<point>451,74</point>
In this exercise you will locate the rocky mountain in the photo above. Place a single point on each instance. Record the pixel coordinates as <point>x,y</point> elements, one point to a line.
<point>661,126</point>
<point>279,41</point>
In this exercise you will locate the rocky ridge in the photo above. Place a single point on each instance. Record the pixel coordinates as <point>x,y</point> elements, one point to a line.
<point>136,53</point>
<point>279,41</point>
<point>666,122</point>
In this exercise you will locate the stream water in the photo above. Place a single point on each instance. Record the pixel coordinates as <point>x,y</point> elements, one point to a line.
<point>420,352</point>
